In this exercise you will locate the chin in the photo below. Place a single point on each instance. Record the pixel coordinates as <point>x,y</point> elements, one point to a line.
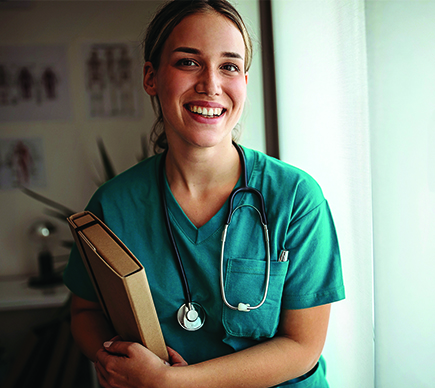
<point>212,140</point>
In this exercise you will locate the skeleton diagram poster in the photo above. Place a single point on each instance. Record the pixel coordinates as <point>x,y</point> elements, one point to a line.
<point>34,83</point>
<point>113,80</point>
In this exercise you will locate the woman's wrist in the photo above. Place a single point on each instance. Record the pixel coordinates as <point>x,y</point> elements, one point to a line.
<point>171,377</point>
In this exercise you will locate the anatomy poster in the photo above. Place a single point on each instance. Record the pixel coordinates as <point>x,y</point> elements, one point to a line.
<point>21,163</point>
<point>113,80</point>
<point>34,83</point>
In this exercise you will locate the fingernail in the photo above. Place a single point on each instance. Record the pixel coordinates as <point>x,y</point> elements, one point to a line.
<point>167,363</point>
<point>107,344</point>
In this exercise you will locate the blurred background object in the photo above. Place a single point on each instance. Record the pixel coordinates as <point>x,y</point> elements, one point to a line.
<point>43,234</point>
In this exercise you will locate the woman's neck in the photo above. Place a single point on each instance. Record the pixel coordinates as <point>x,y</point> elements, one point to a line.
<point>202,179</point>
<point>198,169</point>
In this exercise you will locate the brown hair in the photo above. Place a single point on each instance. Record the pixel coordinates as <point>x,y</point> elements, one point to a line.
<point>165,20</point>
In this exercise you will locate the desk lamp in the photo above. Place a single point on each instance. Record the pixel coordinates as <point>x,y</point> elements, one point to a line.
<point>44,234</point>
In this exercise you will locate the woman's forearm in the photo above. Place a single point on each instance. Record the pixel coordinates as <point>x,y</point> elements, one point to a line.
<point>89,327</point>
<point>292,353</point>
<point>264,365</point>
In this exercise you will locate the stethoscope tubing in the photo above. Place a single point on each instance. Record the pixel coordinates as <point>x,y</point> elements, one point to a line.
<point>189,306</point>
<point>245,188</point>
<point>263,219</point>
<point>186,288</point>
<point>244,306</point>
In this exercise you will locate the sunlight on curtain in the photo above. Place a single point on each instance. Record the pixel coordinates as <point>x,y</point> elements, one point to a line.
<point>401,52</point>
<point>323,122</point>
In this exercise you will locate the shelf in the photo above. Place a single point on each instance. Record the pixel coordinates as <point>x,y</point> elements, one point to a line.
<point>15,294</point>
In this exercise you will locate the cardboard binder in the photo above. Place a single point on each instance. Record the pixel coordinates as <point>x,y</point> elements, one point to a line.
<point>120,283</point>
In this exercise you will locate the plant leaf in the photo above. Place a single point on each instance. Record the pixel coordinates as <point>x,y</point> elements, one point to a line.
<point>56,214</point>
<point>107,164</point>
<point>145,148</point>
<point>67,244</point>
<point>63,209</point>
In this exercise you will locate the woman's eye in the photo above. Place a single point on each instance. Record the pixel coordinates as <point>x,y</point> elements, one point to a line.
<point>230,67</point>
<point>186,62</point>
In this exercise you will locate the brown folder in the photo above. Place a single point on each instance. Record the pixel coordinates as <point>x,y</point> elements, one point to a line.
<point>120,283</point>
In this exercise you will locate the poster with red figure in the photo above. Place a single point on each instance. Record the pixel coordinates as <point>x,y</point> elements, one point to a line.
<point>22,163</point>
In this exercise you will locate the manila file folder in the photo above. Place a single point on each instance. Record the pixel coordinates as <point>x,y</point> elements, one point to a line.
<point>120,282</point>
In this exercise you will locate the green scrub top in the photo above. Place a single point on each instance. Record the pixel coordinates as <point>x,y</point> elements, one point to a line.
<point>299,222</point>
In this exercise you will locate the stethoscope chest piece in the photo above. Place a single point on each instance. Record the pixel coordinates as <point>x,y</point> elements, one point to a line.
<point>191,317</point>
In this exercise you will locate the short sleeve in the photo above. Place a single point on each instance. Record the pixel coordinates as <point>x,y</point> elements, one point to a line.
<point>314,276</point>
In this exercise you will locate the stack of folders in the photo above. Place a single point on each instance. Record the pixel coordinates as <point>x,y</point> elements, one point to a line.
<point>120,283</point>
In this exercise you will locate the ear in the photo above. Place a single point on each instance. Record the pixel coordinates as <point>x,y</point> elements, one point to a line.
<point>246,78</point>
<point>149,79</point>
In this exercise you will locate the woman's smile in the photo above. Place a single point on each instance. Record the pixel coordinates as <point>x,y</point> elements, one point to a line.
<point>205,112</point>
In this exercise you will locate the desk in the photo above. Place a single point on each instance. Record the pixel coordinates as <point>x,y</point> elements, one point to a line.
<point>15,294</point>
<point>23,308</point>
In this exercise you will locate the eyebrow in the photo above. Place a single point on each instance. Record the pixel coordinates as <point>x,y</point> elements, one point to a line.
<point>191,50</point>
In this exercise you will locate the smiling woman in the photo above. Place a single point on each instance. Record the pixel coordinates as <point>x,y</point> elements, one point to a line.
<point>201,65</point>
<point>161,27</point>
<point>172,209</point>
<point>204,58</point>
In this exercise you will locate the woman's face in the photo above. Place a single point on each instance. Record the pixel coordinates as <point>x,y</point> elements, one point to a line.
<point>200,82</point>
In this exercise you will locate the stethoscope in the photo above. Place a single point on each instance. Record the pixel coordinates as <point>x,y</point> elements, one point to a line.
<point>191,315</point>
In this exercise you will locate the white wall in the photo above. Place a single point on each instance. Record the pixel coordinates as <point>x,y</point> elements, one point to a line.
<point>71,156</point>
<point>252,121</point>
<point>401,58</point>
<point>70,147</point>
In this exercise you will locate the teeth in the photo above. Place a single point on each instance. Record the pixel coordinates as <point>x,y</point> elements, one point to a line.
<point>206,112</point>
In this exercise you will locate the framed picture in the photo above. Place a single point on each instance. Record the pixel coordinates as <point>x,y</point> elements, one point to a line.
<point>34,83</point>
<point>113,80</point>
<point>22,163</point>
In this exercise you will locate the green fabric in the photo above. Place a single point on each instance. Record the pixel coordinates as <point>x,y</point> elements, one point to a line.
<point>299,221</point>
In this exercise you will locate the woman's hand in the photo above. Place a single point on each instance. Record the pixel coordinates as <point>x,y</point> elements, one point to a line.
<point>175,358</point>
<point>129,364</point>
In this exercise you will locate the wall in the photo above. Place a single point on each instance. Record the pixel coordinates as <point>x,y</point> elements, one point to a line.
<point>71,156</point>
<point>252,121</point>
<point>401,57</point>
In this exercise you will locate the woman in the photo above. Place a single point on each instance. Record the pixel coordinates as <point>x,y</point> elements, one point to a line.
<point>197,56</point>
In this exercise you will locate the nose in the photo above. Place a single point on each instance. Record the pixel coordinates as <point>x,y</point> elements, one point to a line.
<point>208,83</point>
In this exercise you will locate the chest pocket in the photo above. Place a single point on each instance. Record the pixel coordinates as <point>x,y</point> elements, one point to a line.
<point>245,282</point>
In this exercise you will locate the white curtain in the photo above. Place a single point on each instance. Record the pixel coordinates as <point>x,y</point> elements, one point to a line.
<point>401,52</point>
<point>321,75</point>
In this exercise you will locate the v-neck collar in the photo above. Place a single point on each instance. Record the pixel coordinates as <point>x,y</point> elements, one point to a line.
<point>215,225</point>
